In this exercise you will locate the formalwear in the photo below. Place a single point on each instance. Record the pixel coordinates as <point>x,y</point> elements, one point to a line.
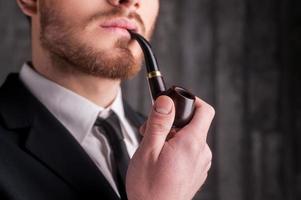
<point>40,159</point>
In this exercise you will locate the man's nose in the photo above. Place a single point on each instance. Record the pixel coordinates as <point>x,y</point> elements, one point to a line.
<point>126,3</point>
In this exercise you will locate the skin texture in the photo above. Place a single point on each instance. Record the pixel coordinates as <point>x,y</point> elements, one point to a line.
<point>70,48</point>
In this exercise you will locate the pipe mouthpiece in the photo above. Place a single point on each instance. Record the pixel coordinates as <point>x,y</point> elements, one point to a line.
<point>150,58</point>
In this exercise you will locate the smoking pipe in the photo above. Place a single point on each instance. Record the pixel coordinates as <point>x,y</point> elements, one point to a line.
<point>182,98</point>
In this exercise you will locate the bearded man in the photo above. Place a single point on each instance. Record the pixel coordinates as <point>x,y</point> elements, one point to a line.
<point>65,130</point>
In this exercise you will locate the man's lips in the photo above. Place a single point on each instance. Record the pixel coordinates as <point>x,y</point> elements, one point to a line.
<point>120,24</point>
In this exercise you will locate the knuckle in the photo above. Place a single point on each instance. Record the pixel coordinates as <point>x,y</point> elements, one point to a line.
<point>208,153</point>
<point>159,127</point>
<point>208,165</point>
<point>211,110</point>
<point>205,152</point>
<point>159,123</point>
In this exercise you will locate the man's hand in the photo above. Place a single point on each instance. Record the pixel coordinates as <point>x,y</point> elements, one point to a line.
<point>176,168</point>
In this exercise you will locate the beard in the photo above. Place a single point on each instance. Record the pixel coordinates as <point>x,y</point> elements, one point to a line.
<point>68,52</point>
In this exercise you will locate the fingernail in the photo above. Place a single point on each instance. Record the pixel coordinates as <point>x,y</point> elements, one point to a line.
<point>163,105</point>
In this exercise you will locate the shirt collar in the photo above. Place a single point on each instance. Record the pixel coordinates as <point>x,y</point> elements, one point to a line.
<point>75,112</point>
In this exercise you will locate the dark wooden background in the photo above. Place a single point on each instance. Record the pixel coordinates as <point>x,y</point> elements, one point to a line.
<point>243,57</point>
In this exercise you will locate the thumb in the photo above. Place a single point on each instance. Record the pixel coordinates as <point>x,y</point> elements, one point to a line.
<point>159,125</point>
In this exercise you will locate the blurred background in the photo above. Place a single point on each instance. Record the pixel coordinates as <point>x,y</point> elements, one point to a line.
<point>241,56</point>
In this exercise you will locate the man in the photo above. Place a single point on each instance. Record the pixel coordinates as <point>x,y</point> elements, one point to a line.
<point>55,130</point>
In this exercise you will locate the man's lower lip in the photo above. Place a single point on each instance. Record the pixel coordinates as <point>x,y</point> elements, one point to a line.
<point>116,30</point>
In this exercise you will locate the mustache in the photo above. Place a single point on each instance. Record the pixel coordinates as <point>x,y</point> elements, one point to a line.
<point>116,13</point>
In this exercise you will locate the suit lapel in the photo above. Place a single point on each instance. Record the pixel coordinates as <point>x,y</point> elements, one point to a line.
<point>49,142</point>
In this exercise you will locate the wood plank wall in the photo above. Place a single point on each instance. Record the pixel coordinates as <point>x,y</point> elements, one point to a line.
<point>241,56</point>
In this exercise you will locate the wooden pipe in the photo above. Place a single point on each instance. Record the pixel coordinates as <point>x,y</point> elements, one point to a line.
<point>182,98</point>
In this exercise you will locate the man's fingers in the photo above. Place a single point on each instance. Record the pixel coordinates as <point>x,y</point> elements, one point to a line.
<point>158,125</point>
<point>201,121</point>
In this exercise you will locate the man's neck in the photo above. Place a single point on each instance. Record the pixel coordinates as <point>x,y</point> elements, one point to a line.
<point>100,91</point>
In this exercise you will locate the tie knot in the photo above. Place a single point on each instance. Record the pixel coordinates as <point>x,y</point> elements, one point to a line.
<point>110,126</point>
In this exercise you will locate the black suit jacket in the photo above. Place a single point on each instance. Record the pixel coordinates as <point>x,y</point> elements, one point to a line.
<point>39,158</point>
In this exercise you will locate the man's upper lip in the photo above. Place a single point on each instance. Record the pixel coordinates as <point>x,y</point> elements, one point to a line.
<point>120,23</point>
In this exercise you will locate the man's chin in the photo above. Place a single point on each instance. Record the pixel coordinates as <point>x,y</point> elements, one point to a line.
<point>117,64</point>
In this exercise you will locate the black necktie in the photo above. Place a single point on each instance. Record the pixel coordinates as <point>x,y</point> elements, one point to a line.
<point>110,128</point>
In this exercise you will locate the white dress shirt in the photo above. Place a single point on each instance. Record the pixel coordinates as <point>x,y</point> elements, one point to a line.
<point>78,115</point>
